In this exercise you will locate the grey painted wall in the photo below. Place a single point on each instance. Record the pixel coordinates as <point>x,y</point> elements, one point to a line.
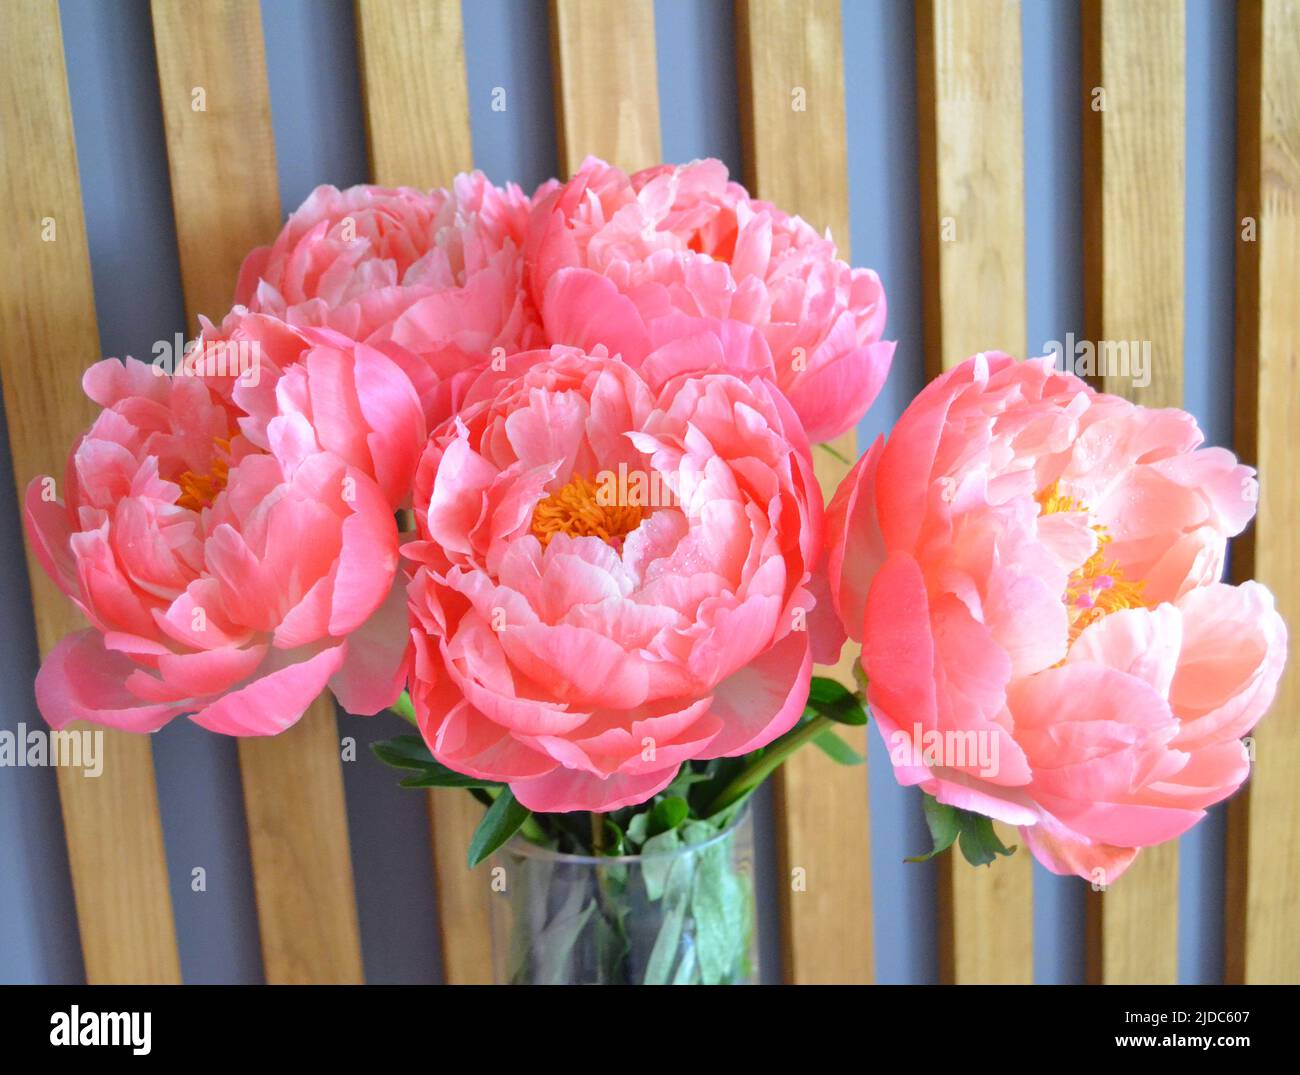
<point>317,115</point>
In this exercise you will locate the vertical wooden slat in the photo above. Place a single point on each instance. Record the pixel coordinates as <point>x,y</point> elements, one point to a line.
<point>1133,141</point>
<point>971,160</point>
<point>606,82</point>
<point>791,72</point>
<point>1263,941</point>
<point>417,96</point>
<point>224,193</point>
<point>399,37</point>
<point>48,336</point>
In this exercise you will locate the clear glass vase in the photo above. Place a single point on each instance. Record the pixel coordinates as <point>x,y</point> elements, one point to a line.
<point>679,917</point>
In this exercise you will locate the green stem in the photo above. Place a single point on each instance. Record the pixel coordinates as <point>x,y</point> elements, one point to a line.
<point>836,453</point>
<point>404,709</point>
<point>750,777</point>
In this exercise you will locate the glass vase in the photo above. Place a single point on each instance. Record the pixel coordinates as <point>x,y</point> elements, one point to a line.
<point>678,917</point>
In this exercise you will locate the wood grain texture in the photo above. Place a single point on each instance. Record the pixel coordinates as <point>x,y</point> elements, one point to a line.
<point>222,158</point>
<point>302,859</point>
<point>790,68</point>
<point>1133,298</point>
<point>971,156</point>
<point>48,336</point>
<point>971,150</point>
<point>397,38</point>
<point>1263,940</point>
<point>225,197</point>
<point>463,894</point>
<point>417,100</point>
<point>606,82</point>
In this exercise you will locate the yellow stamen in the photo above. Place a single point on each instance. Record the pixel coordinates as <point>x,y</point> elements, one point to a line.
<point>198,491</point>
<point>575,510</point>
<point>1098,587</point>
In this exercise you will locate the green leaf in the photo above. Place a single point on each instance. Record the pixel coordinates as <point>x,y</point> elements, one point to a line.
<point>553,948</point>
<point>655,868</point>
<point>696,831</point>
<point>410,752</point>
<point>943,824</point>
<point>638,828</point>
<point>403,752</point>
<point>979,844</point>
<point>664,952</point>
<point>838,749</point>
<point>720,906</point>
<point>685,780</point>
<point>687,971</point>
<point>500,823</point>
<point>831,699</point>
<point>669,813</point>
<point>439,776</point>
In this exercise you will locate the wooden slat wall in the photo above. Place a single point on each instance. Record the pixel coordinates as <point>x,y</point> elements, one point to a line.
<point>606,83</point>
<point>798,160</point>
<point>971,156</point>
<point>1263,942</point>
<point>48,336</point>
<point>1133,290</point>
<point>224,193</point>
<point>417,117</point>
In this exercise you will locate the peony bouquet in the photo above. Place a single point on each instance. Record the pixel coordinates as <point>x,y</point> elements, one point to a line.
<point>537,473</point>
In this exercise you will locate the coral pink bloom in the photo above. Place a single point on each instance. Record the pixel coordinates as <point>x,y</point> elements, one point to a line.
<point>1032,568</point>
<point>440,274</point>
<point>614,573</point>
<point>608,255</point>
<point>365,403</point>
<point>220,580</point>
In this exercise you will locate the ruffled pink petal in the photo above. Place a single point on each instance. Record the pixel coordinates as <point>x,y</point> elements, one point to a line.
<point>856,546</point>
<point>49,532</point>
<point>373,673</point>
<point>81,680</point>
<point>1065,853</point>
<point>189,676</point>
<point>368,559</point>
<point>273,701</point>
<point>832,398</point>
<point>565,790</point>
<point>763,700</point>
<point>898,648</point>
<point>1234,648</point>
<point>584,309</point>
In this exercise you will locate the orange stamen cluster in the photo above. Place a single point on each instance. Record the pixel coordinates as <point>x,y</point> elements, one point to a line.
<point>1098,587</point>
<point>574,510</point>
<point>198,491</point>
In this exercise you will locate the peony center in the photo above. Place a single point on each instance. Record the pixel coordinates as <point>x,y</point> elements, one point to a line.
<point>198,491</point>
<point>576,509</point>
<point>1098,587</point>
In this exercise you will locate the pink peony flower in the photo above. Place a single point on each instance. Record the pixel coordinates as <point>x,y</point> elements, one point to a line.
<point>609,255</point>
<point>613,576</point>
<point>301,389</point>
<point>438,274</point>
<point>1032,568</point>
<point>221,579</point>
